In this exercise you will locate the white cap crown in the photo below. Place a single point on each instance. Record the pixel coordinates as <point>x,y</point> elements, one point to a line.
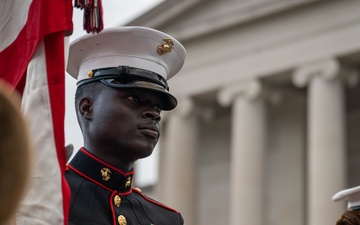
<point>139,47</point>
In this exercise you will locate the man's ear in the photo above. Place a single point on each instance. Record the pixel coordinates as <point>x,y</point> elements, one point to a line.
<point>85,108</point>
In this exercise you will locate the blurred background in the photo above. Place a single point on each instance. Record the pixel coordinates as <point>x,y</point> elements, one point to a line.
<point>266,130</point>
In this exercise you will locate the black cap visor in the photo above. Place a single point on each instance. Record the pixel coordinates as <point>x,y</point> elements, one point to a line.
<point>169,102</point>
<point>129,77</point>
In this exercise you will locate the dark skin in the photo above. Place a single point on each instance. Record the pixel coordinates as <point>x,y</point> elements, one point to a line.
<point>120,126</point>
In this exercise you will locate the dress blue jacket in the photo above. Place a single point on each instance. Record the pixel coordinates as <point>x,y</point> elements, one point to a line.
<point>103,195</point>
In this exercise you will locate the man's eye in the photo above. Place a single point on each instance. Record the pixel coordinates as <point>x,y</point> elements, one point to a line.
<point>158,107</point>
<point>133,98</point>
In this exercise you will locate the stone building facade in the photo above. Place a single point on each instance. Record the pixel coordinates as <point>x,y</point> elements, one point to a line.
<point>268,123</point>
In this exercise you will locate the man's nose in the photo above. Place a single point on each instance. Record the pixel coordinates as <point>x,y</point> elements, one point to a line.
<point>152,113</point>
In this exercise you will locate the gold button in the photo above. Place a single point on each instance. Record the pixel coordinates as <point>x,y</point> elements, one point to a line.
<point>128,182</point>
<point>122,220</point>
<point>117,200</point>
<point>90,73</point>
<point>137,189</point>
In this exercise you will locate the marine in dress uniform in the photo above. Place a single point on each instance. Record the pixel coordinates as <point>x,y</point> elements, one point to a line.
<point>351,216</point>
<point>130,65</point>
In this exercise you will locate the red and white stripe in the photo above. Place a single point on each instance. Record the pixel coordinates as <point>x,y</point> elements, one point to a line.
<point>32,60</point>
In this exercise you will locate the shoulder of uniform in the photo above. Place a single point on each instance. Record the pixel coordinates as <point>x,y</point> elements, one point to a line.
<point>138,190</point>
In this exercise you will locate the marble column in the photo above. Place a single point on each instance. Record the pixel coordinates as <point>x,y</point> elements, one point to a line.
<point>180,153</point>
<point>326,148</point>
<point>248,143</point>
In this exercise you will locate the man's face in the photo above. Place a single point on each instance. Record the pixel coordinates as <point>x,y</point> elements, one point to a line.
<point>125,123</point>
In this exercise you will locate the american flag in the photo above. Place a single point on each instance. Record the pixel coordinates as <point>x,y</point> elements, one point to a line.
<point>32,59</point>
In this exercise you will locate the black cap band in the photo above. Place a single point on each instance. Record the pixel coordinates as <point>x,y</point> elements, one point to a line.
<point>127,73</point>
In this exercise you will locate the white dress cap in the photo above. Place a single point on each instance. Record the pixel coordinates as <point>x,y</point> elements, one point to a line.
<point>139,47</point>
<point>128,57</point>
<point>351,195</point>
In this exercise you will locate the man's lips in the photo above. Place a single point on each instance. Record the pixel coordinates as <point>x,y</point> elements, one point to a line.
<point>150,130</point>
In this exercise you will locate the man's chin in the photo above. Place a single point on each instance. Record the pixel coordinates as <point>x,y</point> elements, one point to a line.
<point>146,154</point>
